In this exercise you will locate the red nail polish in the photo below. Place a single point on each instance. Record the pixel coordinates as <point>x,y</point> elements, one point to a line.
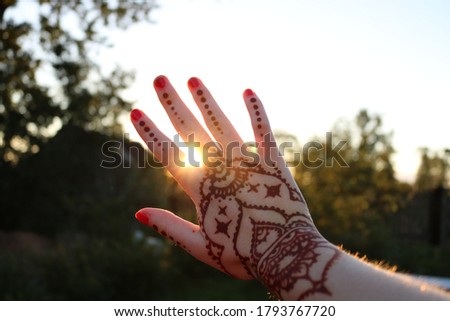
<point>160,82</point>
<point>248,93</point>
<point>141,217</point>
<point>193,83</point>
<point>135,114</point>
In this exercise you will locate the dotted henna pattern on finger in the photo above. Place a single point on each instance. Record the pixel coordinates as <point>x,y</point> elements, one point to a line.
<point>171,238</point>
<point>209,112</point>
<point>150,133</point>
<point>257,114</point>
<point>169,103</point>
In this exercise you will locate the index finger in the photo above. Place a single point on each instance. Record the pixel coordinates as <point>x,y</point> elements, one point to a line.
<point>164,149</point>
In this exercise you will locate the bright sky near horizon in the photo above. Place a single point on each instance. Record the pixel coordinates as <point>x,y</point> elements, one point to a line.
<point>311,63</point>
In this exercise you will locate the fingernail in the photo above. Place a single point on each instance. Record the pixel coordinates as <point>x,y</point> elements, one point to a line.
<point>136,114</point>
<point>141,217</point>
<point>248,93</point>
<point>160,82</point>
<point>193,83</point>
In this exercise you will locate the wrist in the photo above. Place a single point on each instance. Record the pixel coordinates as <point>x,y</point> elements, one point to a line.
<point>296,264</point>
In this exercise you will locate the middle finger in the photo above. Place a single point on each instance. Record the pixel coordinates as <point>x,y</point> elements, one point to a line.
<point>185,123</point>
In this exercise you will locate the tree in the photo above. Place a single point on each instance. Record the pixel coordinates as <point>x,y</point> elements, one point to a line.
<point>352,204</point>
<point>433,170</point>
<point>81,93</point>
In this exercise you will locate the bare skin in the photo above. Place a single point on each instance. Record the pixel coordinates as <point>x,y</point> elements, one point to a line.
<point>253,222</point>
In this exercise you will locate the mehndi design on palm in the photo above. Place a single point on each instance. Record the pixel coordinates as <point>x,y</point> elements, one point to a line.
<point>252,220</point>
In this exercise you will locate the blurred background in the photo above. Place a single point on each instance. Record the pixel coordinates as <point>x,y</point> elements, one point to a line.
<point>72,173</point>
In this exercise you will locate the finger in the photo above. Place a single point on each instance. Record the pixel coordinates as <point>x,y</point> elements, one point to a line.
<point>183,233</point>
<point>160,145</point>
<point>216,121</point>
<point>181,117</point>
<point>264,138</point>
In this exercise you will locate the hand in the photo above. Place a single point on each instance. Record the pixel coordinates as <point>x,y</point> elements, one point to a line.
<point>252,220</point>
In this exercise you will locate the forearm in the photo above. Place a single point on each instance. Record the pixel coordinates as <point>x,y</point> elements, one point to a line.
<point>352,278</point>
<point>347,277</point>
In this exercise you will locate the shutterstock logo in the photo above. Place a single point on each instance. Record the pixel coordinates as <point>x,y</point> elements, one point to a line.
<point>192,153</point>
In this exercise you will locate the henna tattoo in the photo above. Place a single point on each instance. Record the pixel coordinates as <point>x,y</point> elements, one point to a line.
<point>273,191</point>
<point>222,210</point>
<point>284,251</point>
<point>150,133</point>
<point>169,103</point>
<point>257,113</point>
<point>171,238</point>
<point>253,188</point>
<point>209,112</point>
<point>299,257</point>
<point>255,223</point>
<point>222,227</point>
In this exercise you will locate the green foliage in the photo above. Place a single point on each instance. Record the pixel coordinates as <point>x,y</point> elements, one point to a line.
<point>363,206</point>
<point>81,92</point>
<point>433,170</point>
<point>352,204</point>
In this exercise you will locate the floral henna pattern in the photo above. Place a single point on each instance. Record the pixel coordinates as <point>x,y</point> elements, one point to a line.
<point>253,220</point>
<point>299,258</point>
<point>285,251</point>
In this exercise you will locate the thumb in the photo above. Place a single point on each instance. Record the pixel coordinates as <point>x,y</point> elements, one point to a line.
<point>185,234</point>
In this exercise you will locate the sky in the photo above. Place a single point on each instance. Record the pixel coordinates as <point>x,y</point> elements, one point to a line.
<point>311,63</point>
